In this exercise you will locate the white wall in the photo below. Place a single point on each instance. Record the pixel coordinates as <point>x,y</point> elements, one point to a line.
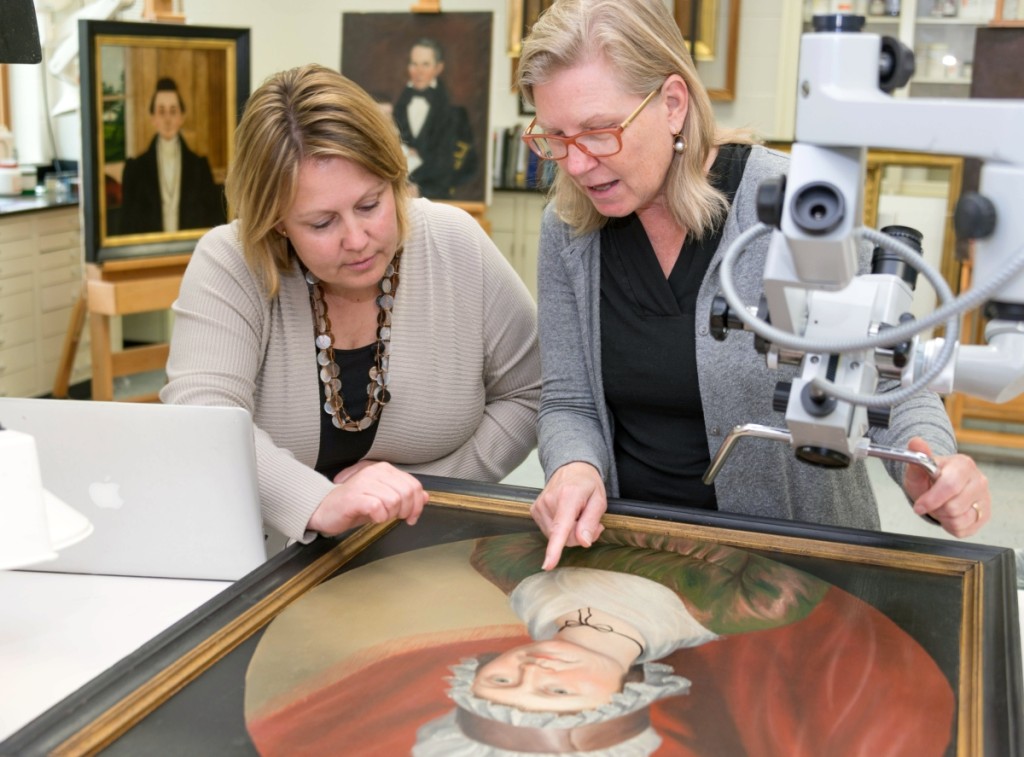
<point>769,47</point>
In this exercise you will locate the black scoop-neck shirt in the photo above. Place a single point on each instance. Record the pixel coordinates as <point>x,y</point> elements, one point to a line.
<point>648,354</point>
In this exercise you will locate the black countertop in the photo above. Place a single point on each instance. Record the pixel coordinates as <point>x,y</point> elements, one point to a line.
<point>10,205</point>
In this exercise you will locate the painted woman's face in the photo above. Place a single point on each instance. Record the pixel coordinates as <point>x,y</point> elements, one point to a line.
<point>550,676</point>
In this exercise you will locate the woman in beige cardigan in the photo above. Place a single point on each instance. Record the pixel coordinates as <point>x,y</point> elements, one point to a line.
<point>369,334</point>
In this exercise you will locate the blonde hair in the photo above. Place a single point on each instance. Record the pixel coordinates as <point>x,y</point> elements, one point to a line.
<point>305,112</point>
<point>639,40</point>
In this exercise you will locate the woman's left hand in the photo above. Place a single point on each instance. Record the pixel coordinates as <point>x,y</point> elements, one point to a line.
<point>346,473</point>
<point>958,498</point>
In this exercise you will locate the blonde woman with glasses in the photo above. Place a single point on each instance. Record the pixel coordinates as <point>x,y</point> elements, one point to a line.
<point>637,395</point>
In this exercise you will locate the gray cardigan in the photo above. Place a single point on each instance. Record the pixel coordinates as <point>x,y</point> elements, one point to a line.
<point>761,477</point>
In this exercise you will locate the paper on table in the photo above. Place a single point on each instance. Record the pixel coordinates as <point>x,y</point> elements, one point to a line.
<point>33,522</point>
<point>67,525</point>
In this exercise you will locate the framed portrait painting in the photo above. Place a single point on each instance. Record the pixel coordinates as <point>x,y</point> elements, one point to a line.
<point>431,72</point>
<point>160,103</point>
<point>680,632</point>
<point>711,27</point>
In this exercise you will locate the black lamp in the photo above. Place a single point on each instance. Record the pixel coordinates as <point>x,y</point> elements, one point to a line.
<point>19,32</point>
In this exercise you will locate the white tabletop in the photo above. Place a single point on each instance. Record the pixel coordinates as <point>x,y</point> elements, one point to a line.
<point>59,631</point>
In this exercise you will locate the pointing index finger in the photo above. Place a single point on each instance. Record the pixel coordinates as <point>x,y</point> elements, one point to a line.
<point>559,535</point>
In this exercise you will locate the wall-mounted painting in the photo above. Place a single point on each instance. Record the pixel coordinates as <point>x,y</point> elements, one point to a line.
<point>711,27</point>
<point>159,107</point>
<point>680,632</point>
<point>432,73</point>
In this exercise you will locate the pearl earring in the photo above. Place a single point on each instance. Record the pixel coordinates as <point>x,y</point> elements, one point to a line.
<point>680,144</point>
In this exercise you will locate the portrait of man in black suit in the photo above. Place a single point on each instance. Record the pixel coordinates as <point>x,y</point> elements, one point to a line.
<point>436,90</point>
<point>435,132</point>
<point>168,187</point>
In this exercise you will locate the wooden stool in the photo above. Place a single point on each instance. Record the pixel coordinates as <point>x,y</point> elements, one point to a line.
<point>113,288</point>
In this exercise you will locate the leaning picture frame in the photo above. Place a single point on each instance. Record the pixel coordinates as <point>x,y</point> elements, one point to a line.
<point>144,85</point>
<point>955,603</point>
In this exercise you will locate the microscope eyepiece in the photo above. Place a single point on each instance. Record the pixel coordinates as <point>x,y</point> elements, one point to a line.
<point>837,22</point>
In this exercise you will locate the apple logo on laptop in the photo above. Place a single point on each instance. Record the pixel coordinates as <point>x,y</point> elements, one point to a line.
<point>106,494</point>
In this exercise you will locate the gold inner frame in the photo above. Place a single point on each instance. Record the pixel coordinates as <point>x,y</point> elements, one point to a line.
<point>148,45</point>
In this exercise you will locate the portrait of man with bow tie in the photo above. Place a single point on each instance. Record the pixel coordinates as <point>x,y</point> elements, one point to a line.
<point>435,132</point>
<point>436,90</point>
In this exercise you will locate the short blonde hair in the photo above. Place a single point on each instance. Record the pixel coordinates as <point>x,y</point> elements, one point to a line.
<point>642,43</point>
<point>305,112</point>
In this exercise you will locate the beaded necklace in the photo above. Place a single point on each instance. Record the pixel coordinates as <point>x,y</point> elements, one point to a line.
<point>377,394</point>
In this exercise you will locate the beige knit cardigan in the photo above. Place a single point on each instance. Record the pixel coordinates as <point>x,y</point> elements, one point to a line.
<point>465,369</point>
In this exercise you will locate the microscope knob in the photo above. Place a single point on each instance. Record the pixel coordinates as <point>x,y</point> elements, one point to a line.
<point>780,398</point>
<point>762,345</point>
<point>722,319</point>
<point>879,416</point>
<point>895,66</point>
<point>975,216</point>
<point>901,351</point>
<point>770,194</point>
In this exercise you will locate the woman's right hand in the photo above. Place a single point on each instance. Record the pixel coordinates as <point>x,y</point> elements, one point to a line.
<point>569,509</point>
<point>373,492</point>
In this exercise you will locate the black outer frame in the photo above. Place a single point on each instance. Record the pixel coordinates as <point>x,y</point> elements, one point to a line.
<point>91,177</point>
<point>1000,677</point>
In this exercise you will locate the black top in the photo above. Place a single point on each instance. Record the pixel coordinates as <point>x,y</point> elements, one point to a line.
<point>648,349</point>
<point>201,203</point>
<point>340,449</point>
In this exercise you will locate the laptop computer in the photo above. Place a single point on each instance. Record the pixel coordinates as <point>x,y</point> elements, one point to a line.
<point>171,490</point>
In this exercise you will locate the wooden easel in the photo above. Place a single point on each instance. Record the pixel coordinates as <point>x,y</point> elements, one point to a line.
<point>163,11</point>
<point>119,287</point>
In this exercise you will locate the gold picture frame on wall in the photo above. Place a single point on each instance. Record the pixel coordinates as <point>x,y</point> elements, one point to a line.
<point>951,170</point>
<point>715,39</point>
<point>702,37</point>
<point>713,32</point>
<point>185,691</point>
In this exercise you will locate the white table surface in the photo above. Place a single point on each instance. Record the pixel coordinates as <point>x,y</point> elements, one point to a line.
<point>59,631</point>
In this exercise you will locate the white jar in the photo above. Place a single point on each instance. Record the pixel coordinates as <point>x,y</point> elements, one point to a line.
<point>10,180</point>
